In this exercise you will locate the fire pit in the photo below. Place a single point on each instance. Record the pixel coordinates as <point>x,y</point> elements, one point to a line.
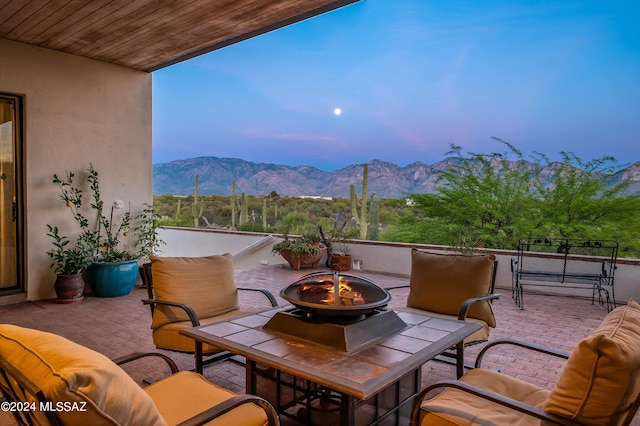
<point>315,294</point>
<point>343,311</point>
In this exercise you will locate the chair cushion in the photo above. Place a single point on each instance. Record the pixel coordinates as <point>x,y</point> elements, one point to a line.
<point>455,407</point>
<point>67,372</point>
<point>442,282</point>
<point>205,283</point>
<point>186,394</point>
<point>602,376</point>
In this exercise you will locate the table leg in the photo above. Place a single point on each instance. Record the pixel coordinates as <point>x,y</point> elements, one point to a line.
<point>460,359</point>
<point>251,383</point>
<point>198,356</point>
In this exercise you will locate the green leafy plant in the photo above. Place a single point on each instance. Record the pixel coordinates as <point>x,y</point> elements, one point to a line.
<point>70,260</point>
<point>336,238</point>
<point>147,240</point>
<point>110,248</point>
<point>105,237</point>
<point>306,245</point>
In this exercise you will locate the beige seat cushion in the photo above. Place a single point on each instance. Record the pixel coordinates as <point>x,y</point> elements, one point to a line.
<point>169,337</point>
<point>205,283</point>
<point>455,407</point>
<point>602,376</point>
<point>186,393</point>
<point>68,372</point>
<point>442,282</point>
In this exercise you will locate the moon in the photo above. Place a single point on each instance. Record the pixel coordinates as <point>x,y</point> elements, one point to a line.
<point>337,111</point>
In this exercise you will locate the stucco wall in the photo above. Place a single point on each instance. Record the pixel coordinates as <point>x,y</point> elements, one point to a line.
<point>77,112</point>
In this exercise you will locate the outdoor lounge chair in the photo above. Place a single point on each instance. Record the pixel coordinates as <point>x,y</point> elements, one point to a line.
<point>191,291</point>
<point>599,384</point>
<point>454,286</point>
<point>49,380</point>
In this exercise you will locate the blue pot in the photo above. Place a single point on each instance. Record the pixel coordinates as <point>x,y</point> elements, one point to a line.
<point>112,279</point>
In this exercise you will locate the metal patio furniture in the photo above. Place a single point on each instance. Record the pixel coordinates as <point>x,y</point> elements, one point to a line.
<point>49,380</point>
<point>599,384</point>
<point>191,291</point>
<point>454,286</point>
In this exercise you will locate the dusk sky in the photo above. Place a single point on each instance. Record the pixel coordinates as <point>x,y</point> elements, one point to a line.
<point>411,77</point>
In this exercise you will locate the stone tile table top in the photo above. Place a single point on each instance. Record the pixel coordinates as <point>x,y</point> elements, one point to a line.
<point>361,372</point>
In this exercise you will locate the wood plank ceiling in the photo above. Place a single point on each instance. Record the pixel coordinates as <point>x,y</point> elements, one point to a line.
<point>148,35</point>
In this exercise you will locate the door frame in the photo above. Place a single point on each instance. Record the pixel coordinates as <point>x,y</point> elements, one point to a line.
<point>19,180</point>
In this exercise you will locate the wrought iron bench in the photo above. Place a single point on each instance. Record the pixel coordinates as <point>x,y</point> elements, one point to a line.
<point>568,263</point>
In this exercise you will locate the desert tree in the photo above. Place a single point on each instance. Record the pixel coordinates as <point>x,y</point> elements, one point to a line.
<point>483,200</point>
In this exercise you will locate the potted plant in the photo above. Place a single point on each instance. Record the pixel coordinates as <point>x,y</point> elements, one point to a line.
<point>302,251</point>
<point>340,257</point>
<point>147,240</point>
<point>114,269</point>
<point>70,263</point>
<point>336,241</point>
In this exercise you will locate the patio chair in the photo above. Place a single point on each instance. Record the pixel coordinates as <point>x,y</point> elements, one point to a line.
<point>187,292</point>
<point>49,380</point>
<point>599,384</point>
<point>454,286</point>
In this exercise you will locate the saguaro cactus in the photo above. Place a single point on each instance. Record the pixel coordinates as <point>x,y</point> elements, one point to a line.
<point>244,205</point>
<point>233,204</point>
<point>264,214</point>
<point>244,209</point>
<point>374,217</point>
<point>197,213</point>
<point>363,206</point>
<point>354,204</point>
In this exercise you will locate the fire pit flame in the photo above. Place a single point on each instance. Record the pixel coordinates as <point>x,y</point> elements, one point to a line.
<point>335,295</point>
<point>324,292</point>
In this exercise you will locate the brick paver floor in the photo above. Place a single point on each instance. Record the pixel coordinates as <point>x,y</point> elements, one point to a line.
<point>118,326</point>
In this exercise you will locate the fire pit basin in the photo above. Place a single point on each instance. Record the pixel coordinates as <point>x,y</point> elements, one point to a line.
<point>354,319</point>
<point>315,294</point>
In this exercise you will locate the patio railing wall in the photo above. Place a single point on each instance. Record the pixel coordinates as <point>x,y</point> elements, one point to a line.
<point>252,250</point>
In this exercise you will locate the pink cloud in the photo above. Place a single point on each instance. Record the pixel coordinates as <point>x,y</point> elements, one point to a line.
<point>306,137</point>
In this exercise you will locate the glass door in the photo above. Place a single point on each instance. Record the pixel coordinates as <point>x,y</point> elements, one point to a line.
<point>10,256</point>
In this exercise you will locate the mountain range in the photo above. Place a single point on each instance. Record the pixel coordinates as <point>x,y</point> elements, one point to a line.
<point>386,179</point>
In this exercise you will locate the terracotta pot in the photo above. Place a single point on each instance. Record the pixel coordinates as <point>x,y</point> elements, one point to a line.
<point>341,261</point>
<point>296,261</point>
<point>69,288</point>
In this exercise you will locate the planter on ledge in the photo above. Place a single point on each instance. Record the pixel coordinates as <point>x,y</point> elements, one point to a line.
<point>112,279</point>
<point>296,261</point>
<point>341,261</point>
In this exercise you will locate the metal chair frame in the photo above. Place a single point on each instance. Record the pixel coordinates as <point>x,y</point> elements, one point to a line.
<point>496,398</point>
<point>16,388</point>
<point>199,355</point>
<point>457,353</point>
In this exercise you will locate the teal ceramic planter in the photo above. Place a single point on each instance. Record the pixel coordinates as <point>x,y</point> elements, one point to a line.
<point>112,279</point>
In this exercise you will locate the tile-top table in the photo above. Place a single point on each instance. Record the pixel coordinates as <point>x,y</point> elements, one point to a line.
<point>314,384</point>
